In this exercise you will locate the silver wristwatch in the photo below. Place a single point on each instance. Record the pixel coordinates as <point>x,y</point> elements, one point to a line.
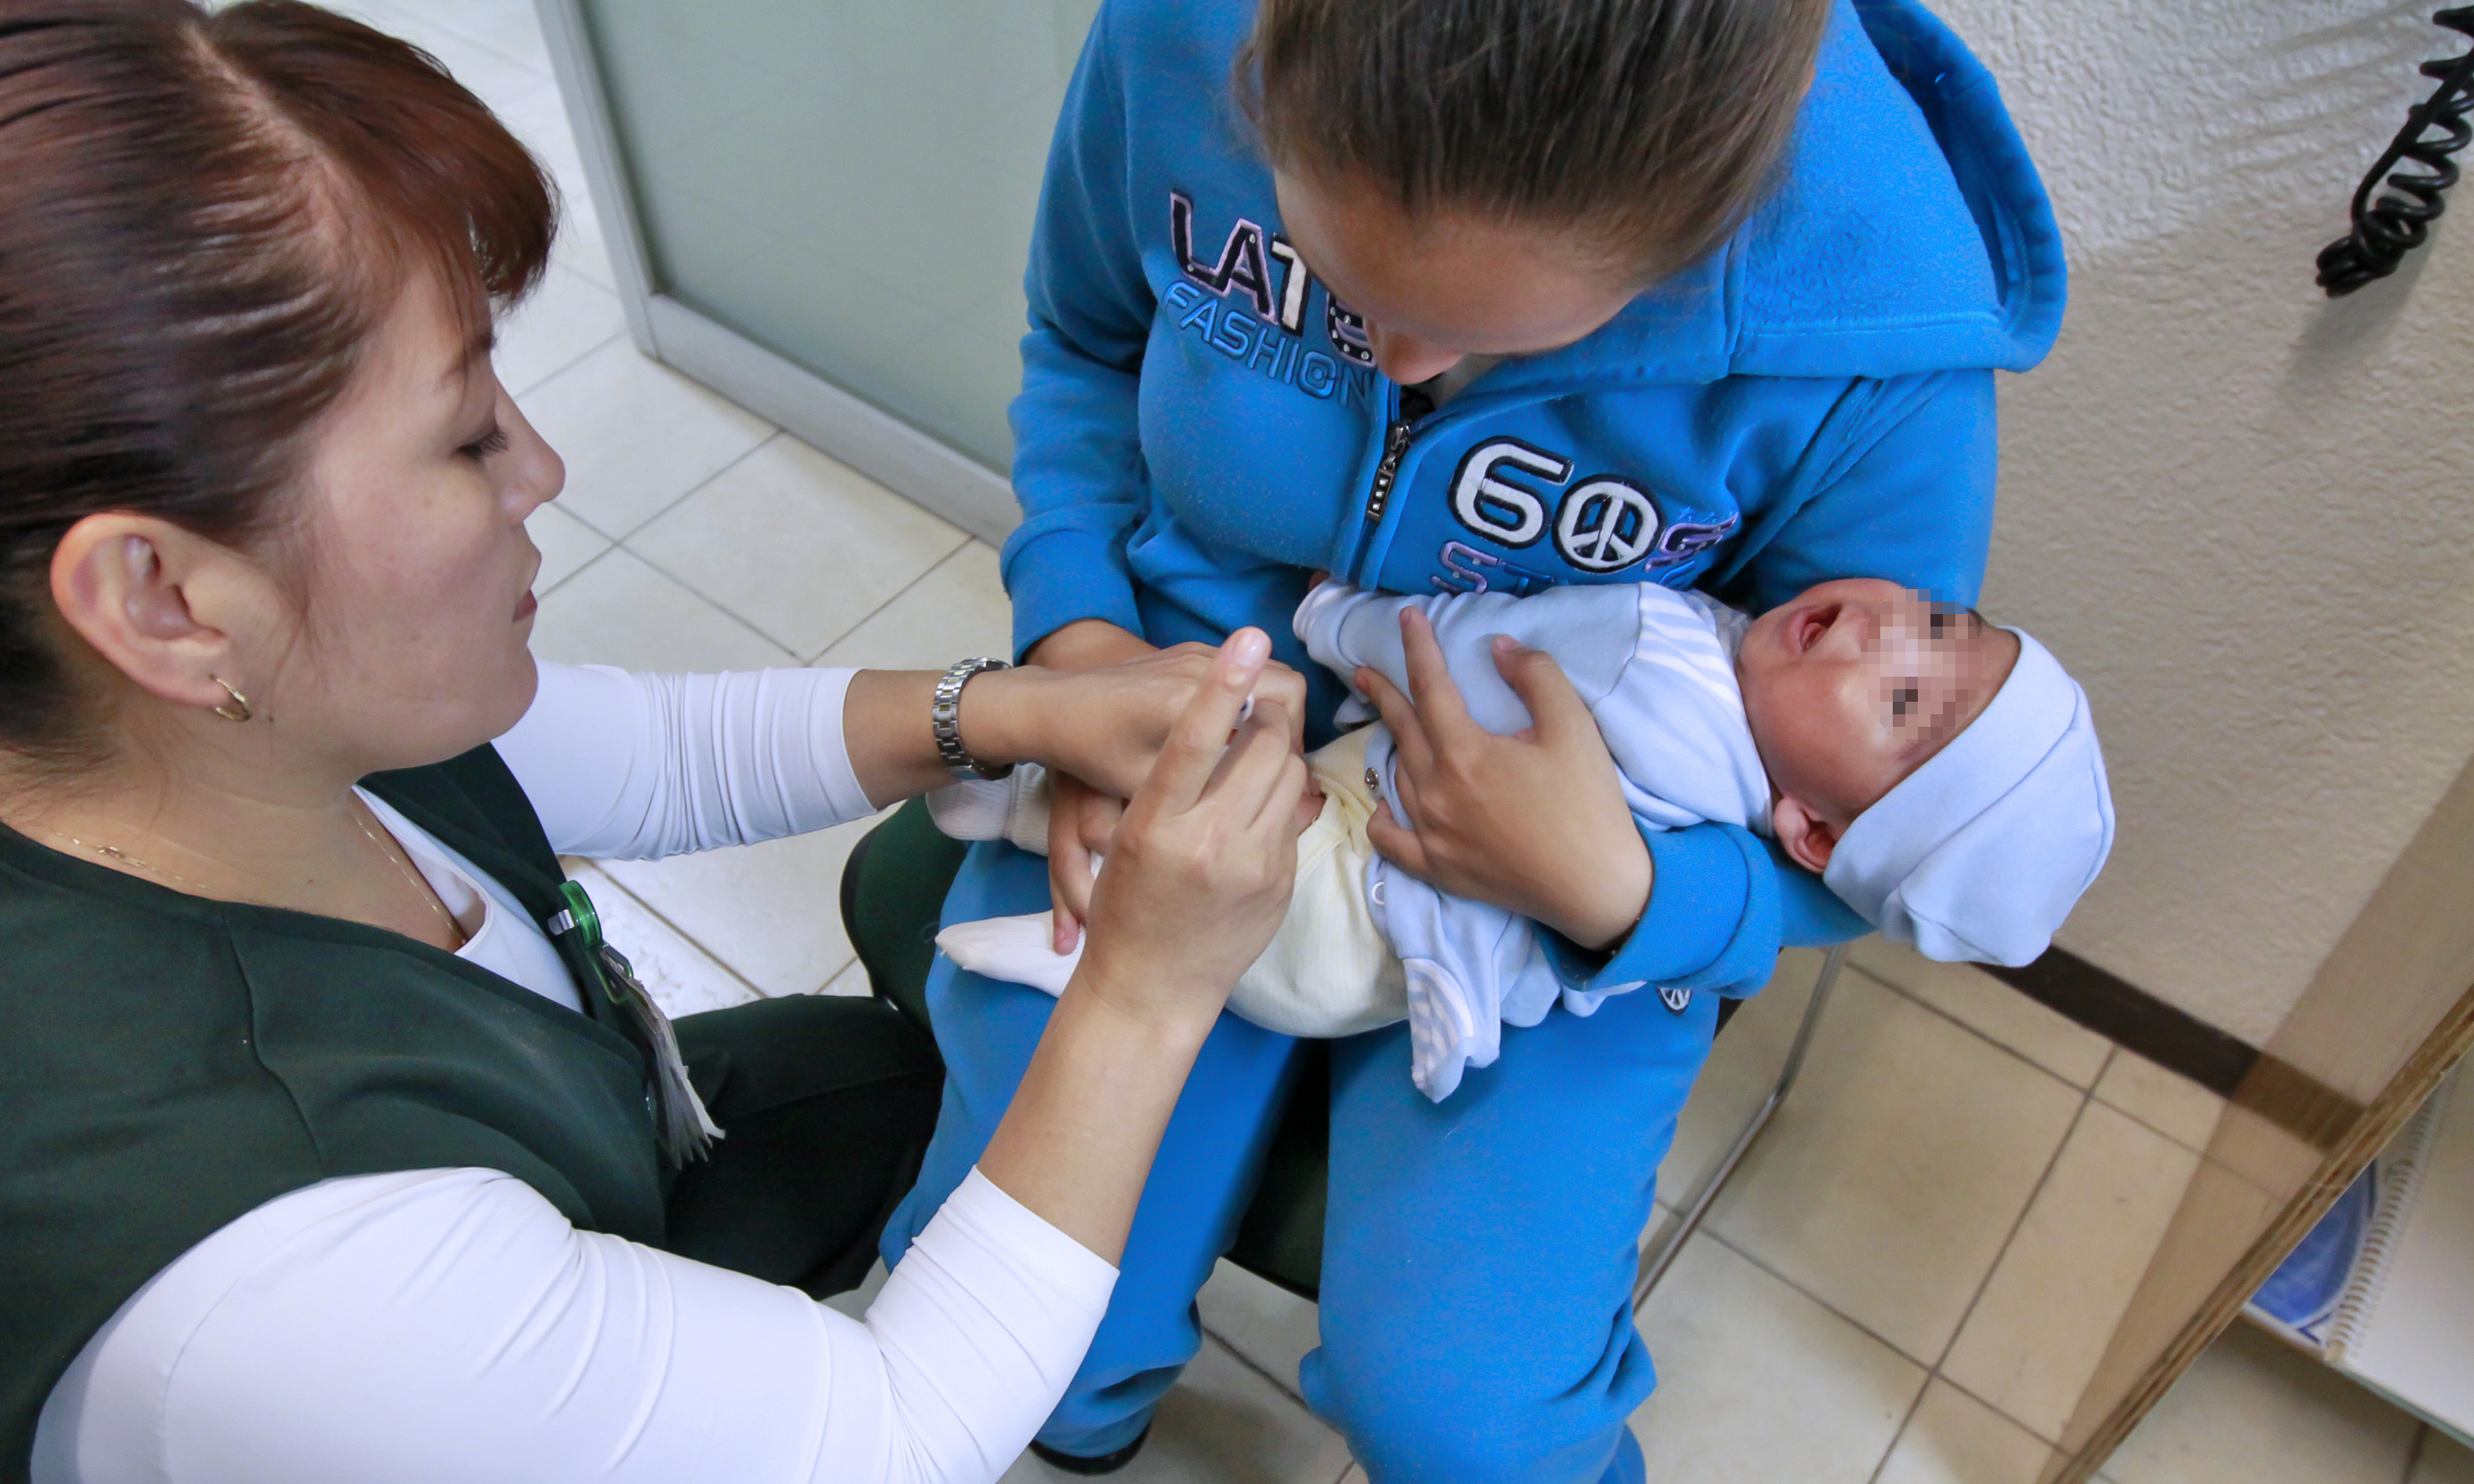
<point>945,721</point>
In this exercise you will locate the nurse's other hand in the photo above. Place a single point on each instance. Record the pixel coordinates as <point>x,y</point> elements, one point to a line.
<point>1202,864</point>
<point>1081,821</point>
<point>1101,729</point>
<point>1534,822</point>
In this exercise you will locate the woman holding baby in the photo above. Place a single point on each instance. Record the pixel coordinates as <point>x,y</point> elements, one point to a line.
<point>1492,297</point>
<point>337,1144</point>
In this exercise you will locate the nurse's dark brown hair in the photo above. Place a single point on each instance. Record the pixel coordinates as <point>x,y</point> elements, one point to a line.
<point>1648,127</point>
<point>203,216</point>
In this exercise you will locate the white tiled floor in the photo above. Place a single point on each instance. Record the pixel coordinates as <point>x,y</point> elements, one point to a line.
<point>1907,1282</point>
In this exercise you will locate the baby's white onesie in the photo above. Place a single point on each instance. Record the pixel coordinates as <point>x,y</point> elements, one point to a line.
<point>1657,668</point>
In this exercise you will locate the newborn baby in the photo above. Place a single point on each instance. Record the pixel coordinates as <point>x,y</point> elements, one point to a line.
<point>1940,773</point>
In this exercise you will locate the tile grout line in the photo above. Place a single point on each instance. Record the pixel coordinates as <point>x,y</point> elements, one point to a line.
<point>1249,1363</point>
<point>934,568</point>
<point>2114,1051</point>
<point>1930,1008</point>
<point>672,577</point>
<point>2176,1139</point>
<point>1997,1411</point>
<point>555,372</point>
<point>1905,1423</point>
<point>1931,1368</point>
<point>2043,1179</point>
<point>773,431</point>
<point>1833,1311</point>
<point>658,916</point>
<point>698,487</point>
<point>607,548</point>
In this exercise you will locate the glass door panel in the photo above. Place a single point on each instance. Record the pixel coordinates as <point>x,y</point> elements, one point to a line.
<point>849,183</point>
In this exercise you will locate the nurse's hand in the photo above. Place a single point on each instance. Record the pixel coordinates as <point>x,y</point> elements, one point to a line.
<point>1205,855</point>
<point>1206,860</point>
<point>1105,726</point>
<point>1088,800</point>
<point>1534,822</point>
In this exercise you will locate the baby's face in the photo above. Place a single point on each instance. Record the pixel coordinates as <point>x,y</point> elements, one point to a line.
<point>1852,686</point>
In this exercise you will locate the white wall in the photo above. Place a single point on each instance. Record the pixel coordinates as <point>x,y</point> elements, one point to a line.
<point>2239,512</point>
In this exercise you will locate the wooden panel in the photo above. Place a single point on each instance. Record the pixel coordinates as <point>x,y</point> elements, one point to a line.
<point>2388,1012</point>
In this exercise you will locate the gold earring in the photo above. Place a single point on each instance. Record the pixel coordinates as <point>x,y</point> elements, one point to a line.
<point>236,709</point>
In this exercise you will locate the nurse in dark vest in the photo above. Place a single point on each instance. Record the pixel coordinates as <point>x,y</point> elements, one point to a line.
<point>335,1143</point>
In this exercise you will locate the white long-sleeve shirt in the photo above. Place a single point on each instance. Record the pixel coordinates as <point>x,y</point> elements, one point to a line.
<point>451,1325</point>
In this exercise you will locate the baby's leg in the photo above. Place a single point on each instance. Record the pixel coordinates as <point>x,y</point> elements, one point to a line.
<point>1013,808</point>
<point>1328,971</point>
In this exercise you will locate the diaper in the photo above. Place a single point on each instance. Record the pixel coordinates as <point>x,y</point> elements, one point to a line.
<point>1328,972</point>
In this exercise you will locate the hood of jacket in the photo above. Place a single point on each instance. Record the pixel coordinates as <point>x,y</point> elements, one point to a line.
<point>1910,233</point>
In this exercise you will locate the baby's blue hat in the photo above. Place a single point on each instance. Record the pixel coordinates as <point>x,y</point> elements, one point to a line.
<point>1981,853</point>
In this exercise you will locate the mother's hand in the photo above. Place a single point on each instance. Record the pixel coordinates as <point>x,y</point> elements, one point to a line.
<point>1534,822</point>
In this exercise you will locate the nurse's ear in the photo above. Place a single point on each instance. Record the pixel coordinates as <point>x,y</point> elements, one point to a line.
<point>1806,837</point>
<point>160,604</point>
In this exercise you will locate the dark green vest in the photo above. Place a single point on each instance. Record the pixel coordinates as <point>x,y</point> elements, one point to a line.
<point>172,1062</point>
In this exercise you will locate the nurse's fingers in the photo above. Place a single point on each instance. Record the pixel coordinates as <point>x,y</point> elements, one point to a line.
<point>1254,779</point>
<point>1199,738</point>
<point>1069,864</point>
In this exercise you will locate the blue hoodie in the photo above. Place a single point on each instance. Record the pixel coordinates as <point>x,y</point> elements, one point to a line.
<point>1200,423</point>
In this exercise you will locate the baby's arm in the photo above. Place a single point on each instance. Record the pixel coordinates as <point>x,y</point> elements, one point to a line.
<point>1590,631</point>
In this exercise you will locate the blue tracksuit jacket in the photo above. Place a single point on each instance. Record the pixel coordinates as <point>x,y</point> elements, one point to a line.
<point>1200,423</point>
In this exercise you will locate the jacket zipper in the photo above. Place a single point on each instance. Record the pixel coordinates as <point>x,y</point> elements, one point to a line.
<point>1395,442</point>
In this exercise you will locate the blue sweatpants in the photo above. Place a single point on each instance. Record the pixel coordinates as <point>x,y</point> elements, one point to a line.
<point>1478,1253</point>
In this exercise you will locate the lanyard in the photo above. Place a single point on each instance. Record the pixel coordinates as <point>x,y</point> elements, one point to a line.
<point>683,1127</point>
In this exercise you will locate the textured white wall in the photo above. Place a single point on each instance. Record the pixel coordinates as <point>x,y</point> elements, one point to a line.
<point>2239,512</point>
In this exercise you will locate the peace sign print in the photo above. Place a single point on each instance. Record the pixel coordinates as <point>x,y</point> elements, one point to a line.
<point>1604,525</point>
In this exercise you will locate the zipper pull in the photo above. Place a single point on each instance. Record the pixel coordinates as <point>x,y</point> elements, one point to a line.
<point>1395,442</point>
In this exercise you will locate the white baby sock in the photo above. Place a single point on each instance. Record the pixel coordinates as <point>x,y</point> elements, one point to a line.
<point>1013,808</point>
<point>1013,948</point>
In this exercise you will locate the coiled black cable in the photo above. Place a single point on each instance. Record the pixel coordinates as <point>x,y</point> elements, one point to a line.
<point>2388,228</point>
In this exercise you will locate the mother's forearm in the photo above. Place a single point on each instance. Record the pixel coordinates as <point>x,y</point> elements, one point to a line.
<point>1089,644</point>
<point>1713,920</point>
<point>1601,900</point>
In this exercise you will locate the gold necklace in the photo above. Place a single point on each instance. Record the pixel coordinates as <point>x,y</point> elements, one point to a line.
<point>125,858</point>
<point>454,929</point>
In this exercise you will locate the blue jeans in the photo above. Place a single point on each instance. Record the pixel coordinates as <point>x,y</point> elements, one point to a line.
<point>1478,1253</point>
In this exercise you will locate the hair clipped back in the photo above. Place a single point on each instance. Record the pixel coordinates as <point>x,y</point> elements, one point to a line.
<point>1651,128</point>
<point>203,216</point>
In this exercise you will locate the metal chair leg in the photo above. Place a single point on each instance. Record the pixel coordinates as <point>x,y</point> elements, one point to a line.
<point>1655,1262</point>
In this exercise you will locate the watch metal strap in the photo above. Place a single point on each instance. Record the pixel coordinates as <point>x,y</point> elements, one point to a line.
<point>945,721</point>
